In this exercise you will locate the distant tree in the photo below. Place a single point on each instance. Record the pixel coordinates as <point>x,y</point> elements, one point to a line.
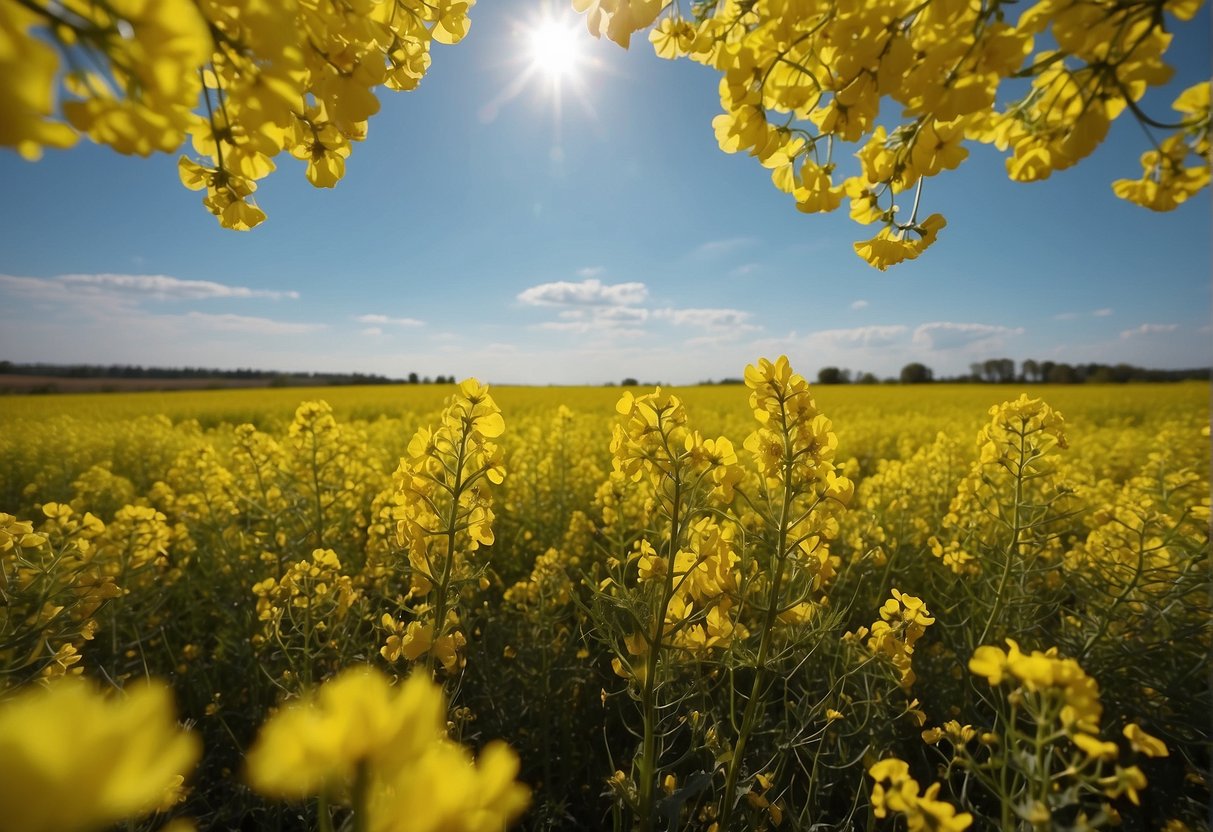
<point>629,382</point>
<point>998,370</point>
<point>1061,374</point>
<point>1030,370</point>
<point>413,379</point>
<point>867,378</point>
<point>832,375</point>
<point>916,373</point>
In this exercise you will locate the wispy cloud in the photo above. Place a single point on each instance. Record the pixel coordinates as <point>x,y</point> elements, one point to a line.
<point>1149,329</point>
<point>859,304</point>
<point>591,271</point>
<point>618,310</point>
<point>589,292</point>
<point>381,320</point>
<point>745,269</point>
<point>1095,313</point>
<point>252,325</point>
<point>860,336</point>
<point>132,287</point>
<point>727,245</point>
<point>947,335</point>
<point>705,318</point>
<point>372,331</point>
<point>617,321</point>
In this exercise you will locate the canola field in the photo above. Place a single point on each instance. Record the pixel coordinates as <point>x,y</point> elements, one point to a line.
<point>774,606</point>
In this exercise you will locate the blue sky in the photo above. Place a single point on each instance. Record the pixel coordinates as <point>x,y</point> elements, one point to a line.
<point>476,234</point>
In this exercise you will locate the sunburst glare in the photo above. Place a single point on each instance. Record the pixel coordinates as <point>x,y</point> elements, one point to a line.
<point>554,48</point>
<point>552,53</point>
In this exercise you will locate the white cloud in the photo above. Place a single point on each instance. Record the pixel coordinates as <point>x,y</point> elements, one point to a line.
<point>384,319</point>
<point>251,325</point>
<point>589,292</point>
<point>591,271</point>
<point>1102,313</point>
<point>860,336</point>
<point>947,335</point>
<point>745,269</point>
<point>616,320</point>
<point>859,304</point>
<point>705,318</point>
<point>372,331</point>
<point>1149,329</point>
<point>88,287</point>
<point>1065,316</point>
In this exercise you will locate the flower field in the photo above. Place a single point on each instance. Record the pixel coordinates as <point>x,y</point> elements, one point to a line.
<point>769,606</point>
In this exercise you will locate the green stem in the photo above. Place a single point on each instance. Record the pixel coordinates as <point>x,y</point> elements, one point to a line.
<point>647,774</point>
<point>360,797</point>
<point>324,818</point>
<point>764,646</point>
<point>1013,546</point>
<point>440,604</point>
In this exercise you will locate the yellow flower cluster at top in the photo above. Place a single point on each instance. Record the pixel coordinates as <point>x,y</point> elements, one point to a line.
<point>447,474</point>
<point>314,586</point>
<point>442,511</point>
<point>651,440</point>
<point>383,749</point>
<point>799,77</point>
<point>783,405</point>
<point>794,450</point>
<point>244,80</point>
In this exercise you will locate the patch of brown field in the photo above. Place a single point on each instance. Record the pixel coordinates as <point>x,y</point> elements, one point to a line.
<point>59,384</point>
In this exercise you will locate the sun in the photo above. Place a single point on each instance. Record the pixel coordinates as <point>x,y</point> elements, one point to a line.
<point>554,48</point>
<point>551,55</point>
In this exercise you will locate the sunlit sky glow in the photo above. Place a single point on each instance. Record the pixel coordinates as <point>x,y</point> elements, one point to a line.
<point>548,208</point>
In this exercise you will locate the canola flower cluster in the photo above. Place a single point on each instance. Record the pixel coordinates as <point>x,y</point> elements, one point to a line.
<point>708,608</point>
<point>244,81</point>
<point>383,749</point>
<point>800,77</point>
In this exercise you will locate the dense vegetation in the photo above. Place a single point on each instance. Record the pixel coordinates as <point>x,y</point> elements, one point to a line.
<point>690,612</point>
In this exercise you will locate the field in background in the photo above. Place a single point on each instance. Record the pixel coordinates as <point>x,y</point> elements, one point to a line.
<point>210,531</point>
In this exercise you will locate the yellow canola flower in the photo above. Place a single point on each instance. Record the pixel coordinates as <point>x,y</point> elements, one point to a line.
<point>27,93</point>
<point>357,718</point>
<point>892,245</point>
<point>1144,743</point>
<point>896,791</point>
<point>1042,672</point>
<point>72,758</point>
<point>360,730</point>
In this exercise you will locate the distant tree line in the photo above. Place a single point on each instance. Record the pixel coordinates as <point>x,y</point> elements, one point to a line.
<point>1030,371</point>
<point>271,377</point>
